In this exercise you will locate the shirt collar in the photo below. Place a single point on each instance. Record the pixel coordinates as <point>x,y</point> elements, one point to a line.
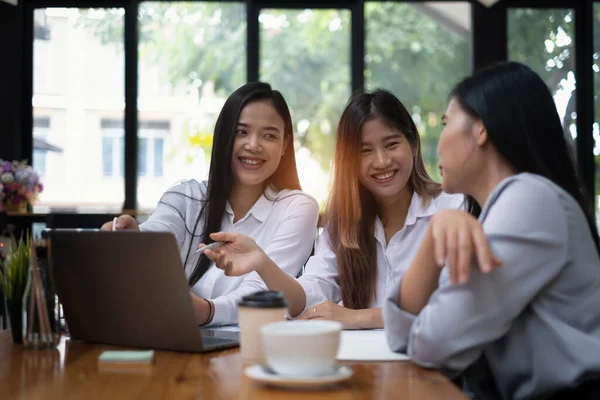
<point>415,211</point>
<point>259,210</point>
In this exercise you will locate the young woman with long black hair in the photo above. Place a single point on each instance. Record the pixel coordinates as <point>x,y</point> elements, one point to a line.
<point>530,329</point>
<point>252,188</point>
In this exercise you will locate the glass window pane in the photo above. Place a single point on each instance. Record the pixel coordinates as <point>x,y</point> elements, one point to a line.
<point>158,156</point>
<point>107,156</point>
<point>78,81</point>
<point>192,55</point>
<point>142,156</point>
<point>419,51</point>
<point>41,132</point>
<point>305,54</point>
<point>544,40</point>
<point>39,162</point>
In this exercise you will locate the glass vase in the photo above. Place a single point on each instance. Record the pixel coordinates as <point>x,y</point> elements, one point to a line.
<point>40,308</point>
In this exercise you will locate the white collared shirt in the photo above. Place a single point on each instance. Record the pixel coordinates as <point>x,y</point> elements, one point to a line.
<point>320,279</point>
<point>283,224</point>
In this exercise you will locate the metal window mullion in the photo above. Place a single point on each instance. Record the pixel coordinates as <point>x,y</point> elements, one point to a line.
<point>584,94</point>
<point>357,45</point>
<point>131,92</point>
<point>252,42</point>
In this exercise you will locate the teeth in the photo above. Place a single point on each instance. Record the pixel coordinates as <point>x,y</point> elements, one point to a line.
<point>251,162</point>
<point>384,176</point>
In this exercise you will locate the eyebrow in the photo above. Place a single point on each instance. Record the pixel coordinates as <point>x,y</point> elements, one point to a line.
<point>266,128</point>
<point>386,138</point>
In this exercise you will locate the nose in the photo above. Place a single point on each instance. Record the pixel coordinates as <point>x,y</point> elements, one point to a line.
<point>382,159</point>
<point>252,143</point>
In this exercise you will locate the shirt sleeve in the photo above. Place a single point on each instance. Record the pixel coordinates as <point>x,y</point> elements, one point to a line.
<point>320,278</point>
<point>289,249</point>
<point>170,212</point>
<point>451,331</point>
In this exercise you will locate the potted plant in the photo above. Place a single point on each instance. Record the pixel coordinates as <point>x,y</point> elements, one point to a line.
<point>13,277</point>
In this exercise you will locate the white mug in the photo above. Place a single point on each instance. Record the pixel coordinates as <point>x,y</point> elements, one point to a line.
<point>301,348</point>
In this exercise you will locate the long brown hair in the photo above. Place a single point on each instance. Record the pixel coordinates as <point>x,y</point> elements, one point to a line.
<point>351,208</point>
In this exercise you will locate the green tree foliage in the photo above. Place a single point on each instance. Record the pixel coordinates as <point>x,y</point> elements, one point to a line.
<point>543,39</point>
<point>418,60</point>
<point>192,42</point>
<point>306,55</point>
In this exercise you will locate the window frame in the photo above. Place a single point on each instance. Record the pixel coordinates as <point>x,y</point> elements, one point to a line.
<point>489,43</point>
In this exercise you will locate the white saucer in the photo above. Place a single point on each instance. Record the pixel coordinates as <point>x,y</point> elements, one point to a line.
<point>264,375</point>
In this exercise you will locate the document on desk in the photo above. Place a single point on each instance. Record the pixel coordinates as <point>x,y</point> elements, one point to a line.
<point>366,345</point>
<point>225,328</point>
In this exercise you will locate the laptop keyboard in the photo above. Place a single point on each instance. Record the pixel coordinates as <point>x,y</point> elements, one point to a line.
<point>211,341</point>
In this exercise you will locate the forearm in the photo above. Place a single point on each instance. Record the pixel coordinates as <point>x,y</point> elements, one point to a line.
<point>201,309</point>
<point>277,279</point>
<point>421,279</point>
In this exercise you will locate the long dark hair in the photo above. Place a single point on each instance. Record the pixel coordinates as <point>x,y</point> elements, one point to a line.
<point>519,114</point>
<point>351,208</point>
<point>220,177</point>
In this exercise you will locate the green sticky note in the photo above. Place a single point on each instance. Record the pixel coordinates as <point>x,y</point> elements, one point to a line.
<point>126,356</point>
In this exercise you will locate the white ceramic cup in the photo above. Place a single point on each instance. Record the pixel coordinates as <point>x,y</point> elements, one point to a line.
<point>301,348</point>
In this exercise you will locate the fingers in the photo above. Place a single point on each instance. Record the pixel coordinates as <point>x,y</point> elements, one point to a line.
<point>496,262</point>
<point>464,254</point>
<point>224,236</point>
<point>211,254</point>
<point>482,250</point>
<point>222,262</point>
<point>439,245</point>
<point>309,313</point>
<point>303,316</point>
<point>125,222</point>
<point>452,254</point>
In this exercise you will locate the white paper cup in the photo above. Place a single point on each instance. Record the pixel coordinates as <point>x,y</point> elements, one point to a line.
<point>254,311</point>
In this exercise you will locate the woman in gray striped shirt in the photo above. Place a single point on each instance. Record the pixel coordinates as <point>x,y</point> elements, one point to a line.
<point>530,328</point>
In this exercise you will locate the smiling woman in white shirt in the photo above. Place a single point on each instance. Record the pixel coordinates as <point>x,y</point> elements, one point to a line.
<point>381,202</point>
<point>531,328</point>
<point>252,188</point>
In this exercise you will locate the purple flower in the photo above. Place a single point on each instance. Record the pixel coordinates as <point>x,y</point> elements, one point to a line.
<point>18,182</point>
<point>7,177</point>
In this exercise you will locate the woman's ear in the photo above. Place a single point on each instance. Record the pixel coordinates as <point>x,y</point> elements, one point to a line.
<point>480,133</point>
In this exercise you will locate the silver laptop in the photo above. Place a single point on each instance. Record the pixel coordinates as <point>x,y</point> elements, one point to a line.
<point>127,288</point>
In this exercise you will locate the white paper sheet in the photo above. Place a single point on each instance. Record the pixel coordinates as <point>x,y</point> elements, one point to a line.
<point>225,328</point>
<point>367,345</point>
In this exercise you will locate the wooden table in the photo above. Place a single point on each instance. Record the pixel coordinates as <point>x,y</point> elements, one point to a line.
<point>70,372</point>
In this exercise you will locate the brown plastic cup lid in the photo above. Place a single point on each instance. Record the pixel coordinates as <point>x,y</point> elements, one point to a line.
<point>264,299</point>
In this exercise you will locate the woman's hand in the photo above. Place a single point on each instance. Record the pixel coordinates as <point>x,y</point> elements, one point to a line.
<point>351,319</point>
<point>456,236</point>
<point>124,222</point>
<point>238,256</point>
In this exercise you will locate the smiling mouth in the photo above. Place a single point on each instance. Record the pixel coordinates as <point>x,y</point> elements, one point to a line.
<point>385,176</point>
<point>251,163</point>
